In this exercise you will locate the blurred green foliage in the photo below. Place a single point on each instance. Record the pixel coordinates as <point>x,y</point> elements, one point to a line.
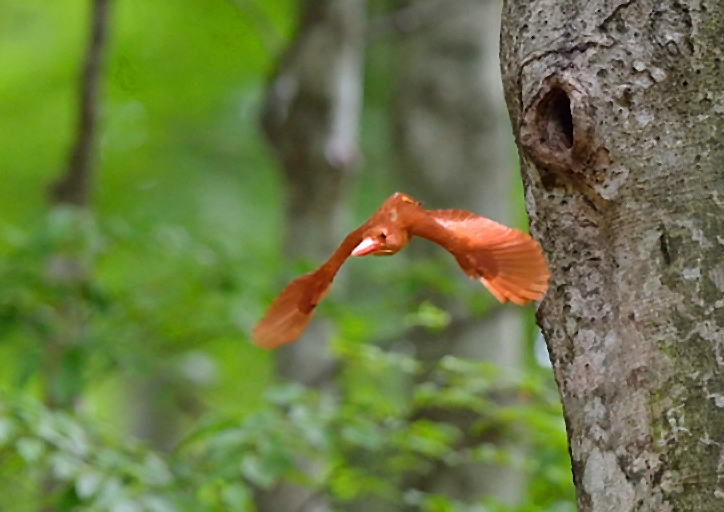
<point>222,459</point>
<point>179,259</point>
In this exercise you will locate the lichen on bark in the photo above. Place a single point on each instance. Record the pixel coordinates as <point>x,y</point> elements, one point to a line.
<point>617,108</point>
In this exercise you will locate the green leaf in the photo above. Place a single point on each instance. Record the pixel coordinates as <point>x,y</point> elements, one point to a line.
<point>157,504</point>
<point>126,505</point>
<point>285,395</point>
<point>428,438</point>
<point>155,471</point>
<point>237,497</point>
<point>63,465</point>
<point>7,429</point>
<point>253,469</point>
<point>88,484</point>
<point>366,435</point>
<point>30,449</point>
<point>428,316</point>
<point>438,503</point>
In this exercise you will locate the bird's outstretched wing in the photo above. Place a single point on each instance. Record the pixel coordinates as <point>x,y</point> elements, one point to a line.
<point>291,311</point>
<point>508,262</point>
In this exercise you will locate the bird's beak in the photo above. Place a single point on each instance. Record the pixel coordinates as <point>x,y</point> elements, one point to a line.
<point>367,246</point>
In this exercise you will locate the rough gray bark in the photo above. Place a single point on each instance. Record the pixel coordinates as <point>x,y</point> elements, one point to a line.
<point>311,117</point>
<point>619,113</point>
<point>455,152</point>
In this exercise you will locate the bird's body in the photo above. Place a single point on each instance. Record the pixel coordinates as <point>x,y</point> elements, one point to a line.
<point>507,261</point>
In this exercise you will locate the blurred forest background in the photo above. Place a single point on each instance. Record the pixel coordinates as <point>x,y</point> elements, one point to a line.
<point>236,142</point>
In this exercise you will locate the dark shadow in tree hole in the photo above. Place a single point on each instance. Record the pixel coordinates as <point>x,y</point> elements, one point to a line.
<point>664,245</point>
<point>556,120</point>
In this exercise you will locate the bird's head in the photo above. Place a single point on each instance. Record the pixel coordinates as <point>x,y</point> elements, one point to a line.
<point>382,241</point>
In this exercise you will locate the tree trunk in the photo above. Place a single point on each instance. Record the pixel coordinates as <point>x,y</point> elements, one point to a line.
<point>618,108</point>
<point>455,152</point>
<point>74,187</point>
<point>155,418</point>
<point>311,117</point>
<point>69,271</point>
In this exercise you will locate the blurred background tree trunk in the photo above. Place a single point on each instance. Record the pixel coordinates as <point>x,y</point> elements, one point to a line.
<point>75,185</point>
<point>153,399</point>
<point>311,117</point>
<point>455,151</point>
<point>617,107</point>
<point>73,189</point>
<point>62,371</point>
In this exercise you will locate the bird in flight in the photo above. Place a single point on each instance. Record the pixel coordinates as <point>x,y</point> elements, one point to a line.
<point>508,262</point>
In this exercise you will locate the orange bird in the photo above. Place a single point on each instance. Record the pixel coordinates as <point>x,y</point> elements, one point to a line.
<point>508,262</point>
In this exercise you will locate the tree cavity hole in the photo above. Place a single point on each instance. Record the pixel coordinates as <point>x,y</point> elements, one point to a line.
<point>556,120</point>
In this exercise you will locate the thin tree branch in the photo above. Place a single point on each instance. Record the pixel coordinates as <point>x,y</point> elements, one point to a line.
<point>74,186</point>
